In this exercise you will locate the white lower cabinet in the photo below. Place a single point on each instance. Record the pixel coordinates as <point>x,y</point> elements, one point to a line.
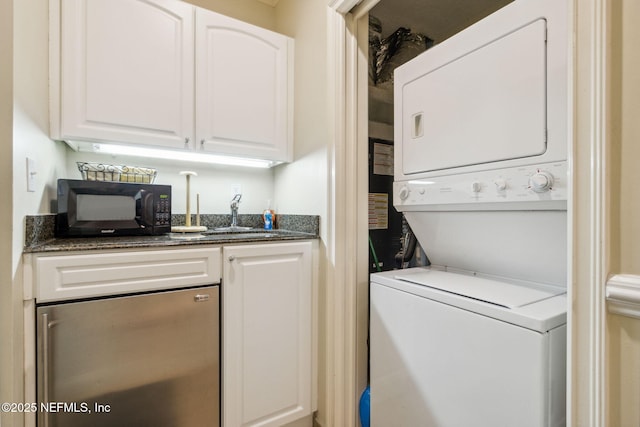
<point>266,334</point>
<point>96,275</point>
<point>268,328</point>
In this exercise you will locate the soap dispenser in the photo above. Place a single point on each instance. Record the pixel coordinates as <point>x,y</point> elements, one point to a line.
<point>268,216</point>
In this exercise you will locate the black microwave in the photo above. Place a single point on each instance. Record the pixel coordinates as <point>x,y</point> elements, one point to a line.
<point>103,208</point>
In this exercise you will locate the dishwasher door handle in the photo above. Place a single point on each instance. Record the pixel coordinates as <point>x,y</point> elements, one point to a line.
<point>201,297</point>
<point>45,367</point>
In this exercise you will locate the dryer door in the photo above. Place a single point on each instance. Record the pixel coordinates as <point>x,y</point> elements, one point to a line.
<point>487,105</point>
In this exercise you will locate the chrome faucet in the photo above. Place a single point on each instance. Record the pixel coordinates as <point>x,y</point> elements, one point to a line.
<point>234,209</point>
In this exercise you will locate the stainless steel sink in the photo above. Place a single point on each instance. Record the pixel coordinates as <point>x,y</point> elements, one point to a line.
<point>254,235</point>
<point>241,232</point>
<point>235,229</point>
<point>244,231</point>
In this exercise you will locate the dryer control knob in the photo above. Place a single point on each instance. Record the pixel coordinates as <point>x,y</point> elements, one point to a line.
<point>476,187</point>
<point>541,181</point>
<point>501,184</point>
<point>404,192</point>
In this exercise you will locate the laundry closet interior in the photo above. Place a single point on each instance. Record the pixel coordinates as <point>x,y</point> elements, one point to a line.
<point>469,154</point>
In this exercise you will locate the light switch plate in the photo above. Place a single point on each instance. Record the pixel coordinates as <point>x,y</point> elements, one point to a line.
<point>31,175</point>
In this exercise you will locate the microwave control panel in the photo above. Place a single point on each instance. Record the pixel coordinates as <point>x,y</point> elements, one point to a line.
<point>163,210</point>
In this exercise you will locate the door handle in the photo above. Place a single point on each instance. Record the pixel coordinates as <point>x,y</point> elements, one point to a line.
<point>45,366</point>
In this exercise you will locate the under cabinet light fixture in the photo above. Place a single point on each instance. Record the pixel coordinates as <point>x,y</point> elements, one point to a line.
<point>186,156</point>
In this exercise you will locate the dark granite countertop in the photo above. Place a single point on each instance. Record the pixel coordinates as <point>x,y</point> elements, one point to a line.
<point>40,236</point>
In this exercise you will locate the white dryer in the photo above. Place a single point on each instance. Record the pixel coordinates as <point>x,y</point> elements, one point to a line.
<point>452,350</point>
<point>482,176</point>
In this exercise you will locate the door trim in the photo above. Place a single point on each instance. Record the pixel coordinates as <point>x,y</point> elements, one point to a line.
<point>589,215</point>
<point>339,378</point>
<point>347,225</point>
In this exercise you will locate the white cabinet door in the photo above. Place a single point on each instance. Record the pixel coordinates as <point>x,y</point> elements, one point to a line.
<point>244,86</point>
<point>125,71</point>
<point>267,330</point>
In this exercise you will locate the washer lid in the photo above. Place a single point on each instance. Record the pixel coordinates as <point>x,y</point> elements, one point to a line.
<point>486,290</point>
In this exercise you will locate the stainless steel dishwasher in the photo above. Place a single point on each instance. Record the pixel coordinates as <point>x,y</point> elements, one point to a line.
<point>132,361</point>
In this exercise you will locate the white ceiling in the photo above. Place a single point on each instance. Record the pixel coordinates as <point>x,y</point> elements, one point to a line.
<point>437,19</point>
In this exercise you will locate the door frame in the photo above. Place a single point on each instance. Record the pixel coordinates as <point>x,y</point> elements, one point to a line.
<point>589,215</point>
<point>347,273</point>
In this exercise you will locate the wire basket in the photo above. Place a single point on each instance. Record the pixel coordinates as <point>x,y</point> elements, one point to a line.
<point>117,173</point>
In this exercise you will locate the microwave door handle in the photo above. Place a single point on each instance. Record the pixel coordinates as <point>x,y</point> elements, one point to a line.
<point>144,210</point>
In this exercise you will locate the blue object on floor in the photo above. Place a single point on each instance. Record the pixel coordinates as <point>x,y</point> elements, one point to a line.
<point>365,407</point>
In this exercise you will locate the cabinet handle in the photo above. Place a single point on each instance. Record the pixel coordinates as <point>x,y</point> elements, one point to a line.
<point>186,143</point>
<point>45,365</point>
<point>202,144</point>
<point>232,258</point>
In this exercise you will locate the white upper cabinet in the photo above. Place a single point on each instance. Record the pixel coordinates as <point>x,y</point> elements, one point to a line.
<point>168,74</point>
<point>125,71</point>
<point>244,87</point>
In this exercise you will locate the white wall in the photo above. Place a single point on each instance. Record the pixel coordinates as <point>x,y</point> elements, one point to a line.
<point>301,186</point>
<point>251,11</point>
<point>31,117</point>
<point>28,34</point>
<point>624,332</point>
<point>6,167</point>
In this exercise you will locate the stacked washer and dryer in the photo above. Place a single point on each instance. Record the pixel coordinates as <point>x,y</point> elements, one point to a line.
<point>481,175</point>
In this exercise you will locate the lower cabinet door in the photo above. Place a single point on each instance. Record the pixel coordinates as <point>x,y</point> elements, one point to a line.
<point>267,330</point>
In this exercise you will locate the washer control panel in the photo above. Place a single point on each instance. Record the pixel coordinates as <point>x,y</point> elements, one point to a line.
<point>532,187</point>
